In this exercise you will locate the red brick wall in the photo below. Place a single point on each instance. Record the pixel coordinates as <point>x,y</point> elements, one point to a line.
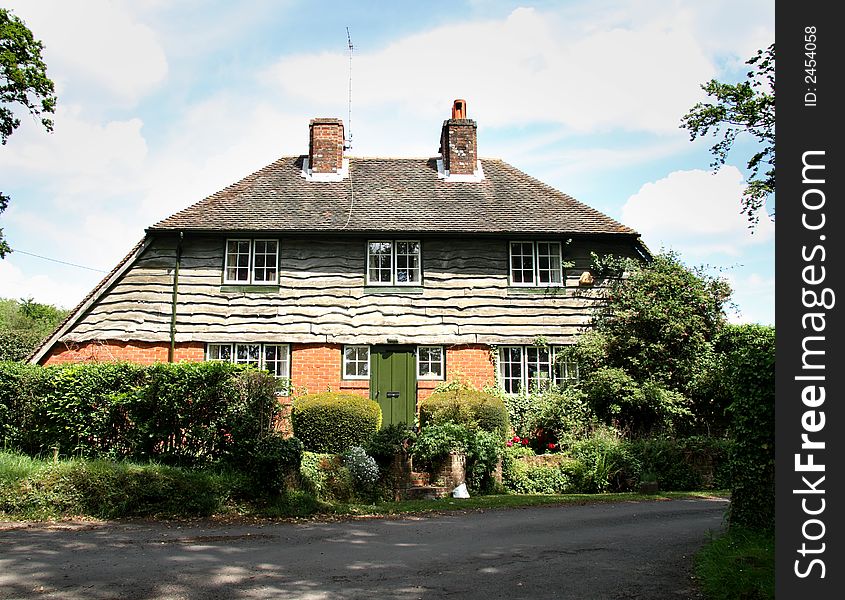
<point>325,148</point>
<point>144,353</point>
<point>318,368</point>
<point>458,146</point>
<point>470,363</point>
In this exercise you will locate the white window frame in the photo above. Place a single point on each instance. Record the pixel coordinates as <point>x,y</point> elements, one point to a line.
<point>555,377</point>
<point>344,374</point>
<point>251,270</point>
<point>261,354</point>
<point>535,262</point>
<point>428,376</point>
<point>393,264</point>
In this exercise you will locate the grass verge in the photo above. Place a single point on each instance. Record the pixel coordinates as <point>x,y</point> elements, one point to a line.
<point>738,565</point>
<point>38,489</point>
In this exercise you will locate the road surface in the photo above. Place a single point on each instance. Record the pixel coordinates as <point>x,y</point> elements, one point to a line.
<point>631,550</point>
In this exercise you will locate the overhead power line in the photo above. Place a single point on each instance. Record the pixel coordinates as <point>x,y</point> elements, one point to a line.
<point>61,262</point>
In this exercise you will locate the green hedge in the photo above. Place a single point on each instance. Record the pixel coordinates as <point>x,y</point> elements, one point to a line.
<point>332,423</point>
<point>748,367</point>
<point>465,406</point>
<point>186,413</point>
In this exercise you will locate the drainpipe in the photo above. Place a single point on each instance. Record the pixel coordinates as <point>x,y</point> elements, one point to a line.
<point>171,353</point>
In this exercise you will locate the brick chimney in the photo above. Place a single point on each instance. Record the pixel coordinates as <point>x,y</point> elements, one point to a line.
<point>325,145</point>
<point>458,142</point>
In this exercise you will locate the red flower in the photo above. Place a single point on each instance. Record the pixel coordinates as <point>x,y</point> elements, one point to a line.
<point>551,446</point>
<point>516,438</point>
<point>524,442</point>
<point>510,443</point>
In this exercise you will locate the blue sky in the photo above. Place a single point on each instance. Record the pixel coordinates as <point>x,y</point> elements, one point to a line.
<point>164,102</point>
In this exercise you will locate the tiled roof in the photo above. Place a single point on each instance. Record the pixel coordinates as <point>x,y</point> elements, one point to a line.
<point>390,194</point>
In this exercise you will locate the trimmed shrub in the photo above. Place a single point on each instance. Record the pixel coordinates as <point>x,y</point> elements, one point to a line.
<point>465,406</point>
<point>332,422</point>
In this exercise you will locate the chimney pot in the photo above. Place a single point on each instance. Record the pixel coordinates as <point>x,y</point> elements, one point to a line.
<point>459,109</point>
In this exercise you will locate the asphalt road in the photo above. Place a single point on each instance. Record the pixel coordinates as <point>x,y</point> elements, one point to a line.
<point>633,550</point>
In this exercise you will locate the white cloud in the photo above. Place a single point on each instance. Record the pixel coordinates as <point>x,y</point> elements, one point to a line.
<point>753,294</point>
<point>696,213</point>
<point>96,43</point>
<point>530,67</point>
<point>43,288</point>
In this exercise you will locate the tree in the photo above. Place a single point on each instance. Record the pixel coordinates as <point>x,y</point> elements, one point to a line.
<point>24,324</point>
<point>23,83</point>
<point>649,353</point>
<point>747,107</point>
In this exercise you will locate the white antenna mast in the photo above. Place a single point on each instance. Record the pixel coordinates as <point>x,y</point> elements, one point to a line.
<point>349,105</point>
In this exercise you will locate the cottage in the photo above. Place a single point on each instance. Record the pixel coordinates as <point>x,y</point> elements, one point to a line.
<point>377,276</point>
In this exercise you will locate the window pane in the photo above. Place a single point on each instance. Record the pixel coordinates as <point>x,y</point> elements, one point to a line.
<point>539,367</point>
<point>430,362</point>
<point>407,262</point>
<point>522,262</point>
<point>277,360</point>
<point>548,262</point>
<point>356,362</point>
<point>266,260</point>
<point>379,261</point>
<point>510,368</point>
<point>237,260</point>
<point>565,370</point>
<point>248,354</point>
<point>219,352</point>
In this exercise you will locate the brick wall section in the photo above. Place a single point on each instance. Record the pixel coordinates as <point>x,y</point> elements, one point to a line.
<point>470,363</point>
<point>143,353</point>
<point>325,146</point>
<point>318,368</point>
<point>458,146</point>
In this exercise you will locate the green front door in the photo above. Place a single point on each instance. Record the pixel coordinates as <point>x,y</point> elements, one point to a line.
<point>393,383</point>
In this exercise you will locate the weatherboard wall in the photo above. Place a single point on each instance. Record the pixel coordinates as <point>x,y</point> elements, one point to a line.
<point>465,297</point>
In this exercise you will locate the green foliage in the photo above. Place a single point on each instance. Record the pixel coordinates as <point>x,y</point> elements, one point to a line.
<point>110,489</point>
<point>738,564</point>
<point>23,324</point>
<point>274,462</point>
<point>746,107</point>
<point>465,406</point>
<point>23,84</point>
<point>524,473</point>
<point>325,477</point>
<point>333,422</point>
<point>749,369</point>
<point>562,416</point>
<point>390,441</point>
<point>187,413</point>
<point>482,449</point>
<point>650,353</point>
<point>679,464</point>
<point>603,456</point>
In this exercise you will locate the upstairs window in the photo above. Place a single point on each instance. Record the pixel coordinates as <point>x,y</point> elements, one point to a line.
<point>393,262</point>
<point>533,368</point>
<point>251,262</point>
<point>536,264</point>
<point>270,357</point>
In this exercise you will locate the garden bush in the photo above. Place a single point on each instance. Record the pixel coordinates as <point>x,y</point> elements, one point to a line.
<point>186,413</point>
<point>390,441</point>
<point>483,450</point>
<point>332,423</point>
<point>363,469</point>
<point>274,463</point>
<point>562,416</point>
<point>465,406</point>
<point>607,462</point>
<point>326,478</point>
<point>522,475</point>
